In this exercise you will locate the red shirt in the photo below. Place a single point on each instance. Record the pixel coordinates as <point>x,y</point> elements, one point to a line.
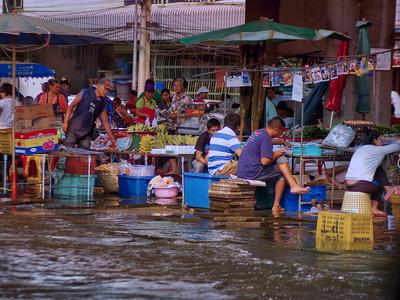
<point>394,121</point>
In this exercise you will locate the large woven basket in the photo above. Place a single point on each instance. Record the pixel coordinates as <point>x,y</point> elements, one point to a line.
<point>395,200</point>
<point>109,180</point>
<point>357,202</point>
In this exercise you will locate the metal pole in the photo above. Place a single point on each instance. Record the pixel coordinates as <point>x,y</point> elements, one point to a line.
<point>5,174</point>
<point>225,79</point>
<point>374,84</point>
<point>331,123</point>
<point>183,180</point>
<point>14,173</point>
<point>301,143</point>
<point>43,175</point>
<point>134,67</point>
<point>88,180</point>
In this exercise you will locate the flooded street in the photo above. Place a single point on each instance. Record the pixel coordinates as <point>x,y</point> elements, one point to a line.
<point>51,251</point>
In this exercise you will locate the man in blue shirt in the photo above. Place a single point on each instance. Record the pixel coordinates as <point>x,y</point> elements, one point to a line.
<point>258,161</point>
<point>224,145</point>
<point>89,104</point>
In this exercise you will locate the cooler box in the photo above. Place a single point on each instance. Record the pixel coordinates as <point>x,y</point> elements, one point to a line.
<point>196,187</point>
<point>133,185</point>
<point>265,194</point>
<point>290,202</point>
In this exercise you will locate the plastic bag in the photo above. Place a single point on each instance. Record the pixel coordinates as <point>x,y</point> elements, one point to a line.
<point>340,136</point>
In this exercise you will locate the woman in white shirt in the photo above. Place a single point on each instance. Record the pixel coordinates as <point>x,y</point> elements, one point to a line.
<point>6,106</point>
<point>365,173</point>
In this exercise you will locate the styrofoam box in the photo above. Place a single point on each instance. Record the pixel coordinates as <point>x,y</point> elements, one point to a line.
<point>158,151</point>
<point>141,170</point>
<point>391,223</point>
<point>173,149</point>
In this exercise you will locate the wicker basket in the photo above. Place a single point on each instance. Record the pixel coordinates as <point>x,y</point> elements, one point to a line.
<point>357,202</point>
<point>395,200</point>
<point>109,180</point>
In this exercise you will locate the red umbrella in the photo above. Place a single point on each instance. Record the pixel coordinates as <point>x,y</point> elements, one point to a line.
<point>337,85</point>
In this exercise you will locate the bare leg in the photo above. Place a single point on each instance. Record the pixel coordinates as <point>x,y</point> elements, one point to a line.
<point>294,187</point>
<point>279,188</point>
<point>174,169</point>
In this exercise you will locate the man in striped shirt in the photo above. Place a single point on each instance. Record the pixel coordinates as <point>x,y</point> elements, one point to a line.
<point>224,145</point>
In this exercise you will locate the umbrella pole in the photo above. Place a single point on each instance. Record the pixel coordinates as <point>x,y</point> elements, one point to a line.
<point>330,124</point>
<point>14,174</point>
<point>301,144</point>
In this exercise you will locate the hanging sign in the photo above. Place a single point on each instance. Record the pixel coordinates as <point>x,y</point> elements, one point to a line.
<point>297,92</point>
<point>383,60</point>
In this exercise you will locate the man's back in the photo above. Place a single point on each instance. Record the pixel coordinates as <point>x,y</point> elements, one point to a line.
<point>222,147</point>
<point>257,146</point>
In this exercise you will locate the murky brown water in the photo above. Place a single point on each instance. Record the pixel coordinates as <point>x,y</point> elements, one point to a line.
<point>116,253</point>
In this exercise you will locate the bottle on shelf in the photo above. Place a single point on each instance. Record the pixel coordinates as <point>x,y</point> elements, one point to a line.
<point>154,123</point>
<point>147,122</point>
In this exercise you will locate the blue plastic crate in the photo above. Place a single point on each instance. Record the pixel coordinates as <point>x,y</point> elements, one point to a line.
<point>290,202</point>
<point>80,181</point>
<point>133,185</point>
<point>307,150</point>
<point>196,187</point>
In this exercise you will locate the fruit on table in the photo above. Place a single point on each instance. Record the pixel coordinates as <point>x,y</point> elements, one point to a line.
<point>146,144</point>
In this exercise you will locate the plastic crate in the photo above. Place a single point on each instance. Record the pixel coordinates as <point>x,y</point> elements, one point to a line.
<point>307,150</point>
<point>79,165</point>
<point>5,141</point>
<point>339,226</point>
<point>133,186</point>
<point>69,180</point>
<point>290,202</point>
<point>265,194</point>
<point>196,187</point>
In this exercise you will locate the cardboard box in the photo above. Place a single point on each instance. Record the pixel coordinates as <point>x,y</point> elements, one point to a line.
<point>36,111</point>
<point>31,142</point>
<point>35,124</point>
<point>37,149</point>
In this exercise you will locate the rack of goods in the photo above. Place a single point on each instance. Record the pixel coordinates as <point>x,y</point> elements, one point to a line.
<point>309,132</point>
<point>359,128</point>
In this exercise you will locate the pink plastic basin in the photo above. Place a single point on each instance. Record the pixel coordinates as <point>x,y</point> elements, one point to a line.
<point>166,192</point>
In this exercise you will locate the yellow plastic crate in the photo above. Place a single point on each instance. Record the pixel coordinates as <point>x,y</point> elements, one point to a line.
<point>5,141</point>
<point>339,226</point>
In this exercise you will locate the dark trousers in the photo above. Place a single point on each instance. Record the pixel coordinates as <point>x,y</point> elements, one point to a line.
<point>83,142</point>
<point>374,188</point>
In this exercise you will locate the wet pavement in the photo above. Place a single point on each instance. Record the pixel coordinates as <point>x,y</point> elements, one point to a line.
<point>132,249</point>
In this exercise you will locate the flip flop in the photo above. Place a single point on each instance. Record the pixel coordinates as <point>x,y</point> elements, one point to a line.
<point>379,214</point>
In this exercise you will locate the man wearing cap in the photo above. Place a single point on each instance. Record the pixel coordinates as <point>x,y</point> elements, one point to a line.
<point>146,106</point>
<point>202,94</point>
<point>89,104</point>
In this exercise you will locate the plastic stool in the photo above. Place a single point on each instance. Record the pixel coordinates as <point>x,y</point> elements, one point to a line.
<point>357,202</point>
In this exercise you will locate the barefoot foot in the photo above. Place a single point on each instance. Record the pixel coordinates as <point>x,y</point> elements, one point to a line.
<point>300,190</point>
<point>278,209</point>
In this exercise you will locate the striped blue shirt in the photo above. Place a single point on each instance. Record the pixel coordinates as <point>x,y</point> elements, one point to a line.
<point>222,146</point>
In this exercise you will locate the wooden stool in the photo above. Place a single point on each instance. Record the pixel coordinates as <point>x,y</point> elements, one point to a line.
<point>357,202</point>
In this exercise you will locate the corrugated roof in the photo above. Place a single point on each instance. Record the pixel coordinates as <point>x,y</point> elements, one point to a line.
<point>169,22</point>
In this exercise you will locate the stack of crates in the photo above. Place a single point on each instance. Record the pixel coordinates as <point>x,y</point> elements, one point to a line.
<point>76,176</point>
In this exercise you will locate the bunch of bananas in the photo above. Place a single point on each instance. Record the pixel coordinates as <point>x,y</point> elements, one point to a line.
<point>191,140</point>
<point>162,128</point>
<point>138,127</point>
<point>146,144</point>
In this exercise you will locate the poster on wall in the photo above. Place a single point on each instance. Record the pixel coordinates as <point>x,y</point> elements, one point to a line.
<point>383,60</point>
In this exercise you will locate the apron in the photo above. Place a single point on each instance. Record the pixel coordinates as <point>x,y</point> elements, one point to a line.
<point>56,108</point>
<point>150,111</point>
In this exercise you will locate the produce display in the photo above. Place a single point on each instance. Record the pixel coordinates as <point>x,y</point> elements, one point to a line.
<point>383,129</point>
<point>163,139</point>
<point>140,127</point>
<point>146,144</point>
<point>309,132</point>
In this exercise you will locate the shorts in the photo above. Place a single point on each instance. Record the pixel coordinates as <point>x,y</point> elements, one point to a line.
<point>271,172</point>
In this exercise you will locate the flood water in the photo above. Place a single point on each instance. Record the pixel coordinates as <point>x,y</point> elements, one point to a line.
<point>53,251</point>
